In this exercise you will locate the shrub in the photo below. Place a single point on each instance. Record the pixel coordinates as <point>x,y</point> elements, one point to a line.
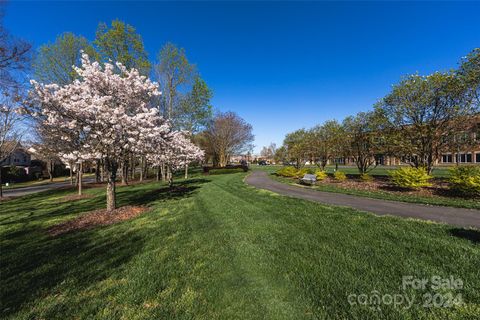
<point>224,171</point>
<point>411,178</point>
<point>365,177</point>
<point>321,175</point>
<point>303,171</point>
<point>339,176</point>
<point>287,172</point>
<point>465,180</point>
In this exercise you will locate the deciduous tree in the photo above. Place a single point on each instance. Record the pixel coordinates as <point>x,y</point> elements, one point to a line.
<point>121,43</point>
<point>110,109</point>
<point>421,111</point>
<point>363,139</point>
<point>54,61</point>
<point>9,132</point>
<point>227,135</point>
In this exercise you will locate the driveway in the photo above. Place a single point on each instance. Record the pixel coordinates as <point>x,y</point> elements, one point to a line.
<point>18,192</point>
<point>454,216</point>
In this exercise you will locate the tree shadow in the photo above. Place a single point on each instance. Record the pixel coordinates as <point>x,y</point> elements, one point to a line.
<point>180,190</point>
<point>467,234</point>
<point>33,264</point>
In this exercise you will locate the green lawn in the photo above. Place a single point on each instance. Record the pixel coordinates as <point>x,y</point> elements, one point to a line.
<point>222,250</point>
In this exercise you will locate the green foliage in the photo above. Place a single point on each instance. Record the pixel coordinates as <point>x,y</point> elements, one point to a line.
<point>195,110</point>
<point>174,72</point>
<point>303,171</point>
<point>466,180</point>
<point>54,61</point>
<point>326,141</point>
<point>364,138</point>
<point>410,177</point>
<point>224,171</point>
<point>121,43</point>
<point>287,171</point>
<point>297,145</point>
<point>339,176</point>
<point>321,175</point>
<point>366,177</point>
<point>421,111</point>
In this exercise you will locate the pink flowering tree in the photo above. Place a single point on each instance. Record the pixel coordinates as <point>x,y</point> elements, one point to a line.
<point>107,112</point>
<point>175,151</point>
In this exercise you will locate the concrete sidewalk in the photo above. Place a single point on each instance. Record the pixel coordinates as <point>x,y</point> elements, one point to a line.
<point>18,192</point>
<point>454,216</point>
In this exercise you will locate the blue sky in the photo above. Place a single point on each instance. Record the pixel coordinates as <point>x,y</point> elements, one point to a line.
<point>280,65</point>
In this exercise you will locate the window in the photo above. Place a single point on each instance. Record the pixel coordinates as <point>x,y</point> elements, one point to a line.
<point>477,157</point>
<point>447,158</point>
<point>465,157</point>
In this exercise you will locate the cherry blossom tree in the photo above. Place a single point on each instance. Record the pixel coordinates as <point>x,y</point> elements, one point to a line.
<point>110,113</point>
<point>175,151</point>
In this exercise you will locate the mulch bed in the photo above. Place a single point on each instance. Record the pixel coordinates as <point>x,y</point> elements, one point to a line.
<point>439,187</point>
<point>95,218</point>
<point>7,198</point>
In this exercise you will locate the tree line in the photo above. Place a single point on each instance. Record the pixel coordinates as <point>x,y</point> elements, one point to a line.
<point>184,103</point>
<point>422,117</point>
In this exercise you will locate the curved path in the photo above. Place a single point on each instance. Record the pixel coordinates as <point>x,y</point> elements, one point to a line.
<point>18,192</point>
<point>454,216</point>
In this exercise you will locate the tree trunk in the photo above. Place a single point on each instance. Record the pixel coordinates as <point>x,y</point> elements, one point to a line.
<point>50,170</point>
<point>97,171</point>
<point>80,174</point>
<point>111,177</point>
<point>186,170</point>
<point>132,167</point>
<point>102,174</point>
<point>163,171</point>
<point>141,169</point>
<point>1,187</point>
<point>170,177</point>
<point>71,174</point>
<point>158,173</point>
<point>123,170</point>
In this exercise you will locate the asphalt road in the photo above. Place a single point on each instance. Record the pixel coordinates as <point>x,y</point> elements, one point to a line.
<point>18,192</point>
<point>454,216</point>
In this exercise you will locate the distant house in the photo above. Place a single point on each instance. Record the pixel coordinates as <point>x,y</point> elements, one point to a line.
<point>19,158</point>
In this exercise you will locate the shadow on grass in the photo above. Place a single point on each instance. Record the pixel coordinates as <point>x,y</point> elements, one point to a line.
<point>31,268</point>
<point>33,264</point>
<point>140,196</point>
<point>467,234</point>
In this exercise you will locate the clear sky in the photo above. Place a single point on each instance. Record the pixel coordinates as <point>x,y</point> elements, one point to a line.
<point>281,65</point>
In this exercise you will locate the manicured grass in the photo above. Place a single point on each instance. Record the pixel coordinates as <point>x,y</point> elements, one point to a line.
<point>219,249</point>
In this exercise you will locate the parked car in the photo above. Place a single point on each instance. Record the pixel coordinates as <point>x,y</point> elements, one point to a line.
<point>262,163</point>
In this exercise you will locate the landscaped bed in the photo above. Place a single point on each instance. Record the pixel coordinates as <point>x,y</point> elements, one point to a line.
<point>380,187</point>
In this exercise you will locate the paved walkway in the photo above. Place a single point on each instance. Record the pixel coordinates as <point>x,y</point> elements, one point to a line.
<point>18,192</point>
<point>454,216</point>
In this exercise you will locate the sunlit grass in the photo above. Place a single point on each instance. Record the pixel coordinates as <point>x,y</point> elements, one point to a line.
<point>219,249</point>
